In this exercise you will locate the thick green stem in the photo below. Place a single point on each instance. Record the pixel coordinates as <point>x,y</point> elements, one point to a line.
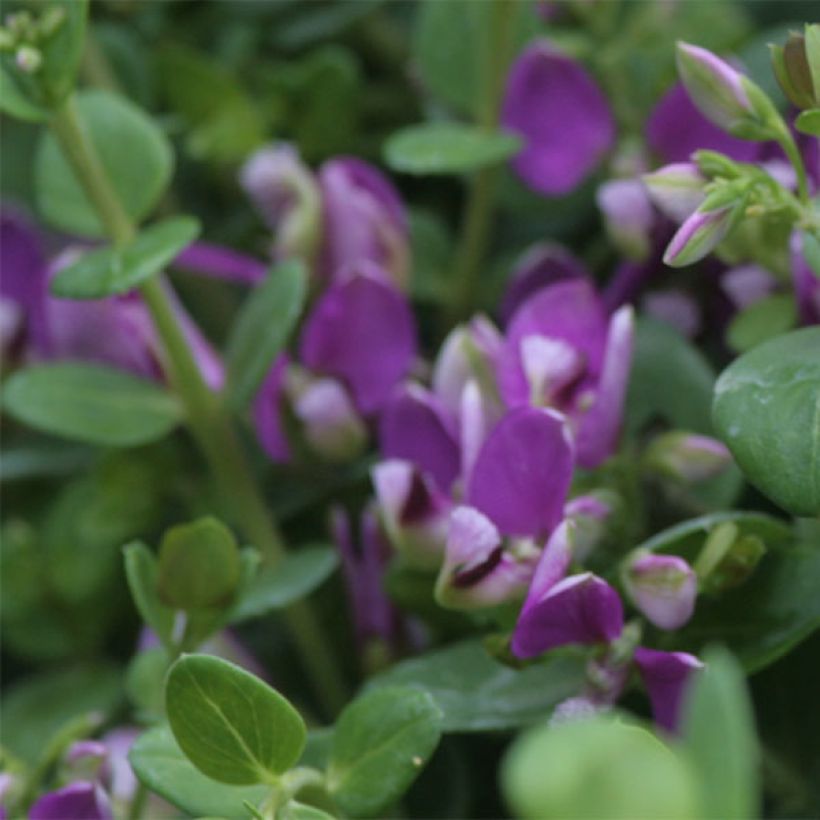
<point>207,418</point>
<point>791,150</point>
<point>475,232</point>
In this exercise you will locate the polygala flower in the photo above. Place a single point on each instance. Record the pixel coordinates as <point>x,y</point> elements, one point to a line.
<point>662,587</point>
<point>563,116</point>
<point>700,234</point>
<point>676,189</point>
<point>83,800</point>
<point>687,457</point>
<point>628,216</point>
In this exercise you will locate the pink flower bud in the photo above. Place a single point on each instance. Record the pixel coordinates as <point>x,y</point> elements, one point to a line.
<point>688,457</point>
<point>676,189</point>
<point>628,216</point>
<point>662,587</point>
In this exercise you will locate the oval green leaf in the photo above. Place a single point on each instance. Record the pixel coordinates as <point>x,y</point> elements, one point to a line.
<point>767,410</point>
<point>447,148</point>
<point>761,321</point>
<point>263,328</point>
<point>113,270</point>
<point>808,122</point>
<point>141,574</point>
<point>232,726</point>
<point>135,155</point>
<point>381,743</point>
<point>98,405</point>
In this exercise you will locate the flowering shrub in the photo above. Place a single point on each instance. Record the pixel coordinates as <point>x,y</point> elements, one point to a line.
<point>410,409</point>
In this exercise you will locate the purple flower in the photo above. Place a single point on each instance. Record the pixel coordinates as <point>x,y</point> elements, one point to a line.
<point>206,259</point>
<point>675,307</point>
<point>364,220</point>
<point>628,215</point>
<point>666,675</point>
<point>562,351</point>
<point>563,116</point>
<point>77,801</point>
<point>662,587</point>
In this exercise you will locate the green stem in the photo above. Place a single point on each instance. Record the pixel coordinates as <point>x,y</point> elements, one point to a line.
<point>475,231</point>
<point>208,420</point>
<point>791,150</point>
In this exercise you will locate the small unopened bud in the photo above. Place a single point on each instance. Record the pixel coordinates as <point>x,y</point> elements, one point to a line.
<point>738,563</point>
<point>676,189</point>
<point>794,73</point>
<point>687,457</point>
<point>86,760</point>
<point>700,234</point>
<point>28,59</point>
<point>662,587</point>
<point>627,215</point>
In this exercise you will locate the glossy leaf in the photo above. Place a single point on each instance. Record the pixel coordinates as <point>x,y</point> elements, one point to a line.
<point>380,745</point>
<point>477,693</point>
<point>597,767</point>
<point>719,734</point>
<point>762,320</point>
<point>447,148</point>
<point>276,587</point>
<point>263,328</point>
<point>90,403</point>
<point>767,410</point>
<point>113,270</point>
<point>160,764</point>
<point>141,573</point>
<point>231,725</point>
<point>135,154</point>
<point>198,565</point>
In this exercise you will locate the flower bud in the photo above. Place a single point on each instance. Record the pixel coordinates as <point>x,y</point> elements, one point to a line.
<point>687,457</point>
<point>86,760</point>
<point>738,563</point>
<point>286,195</point>
<point>676,189</point>
<point>701,233</point>
<point>28,59</point>
<point>794,71</point>
<point>591,516</point>
<point>662,587</point>
<point>627,215</point>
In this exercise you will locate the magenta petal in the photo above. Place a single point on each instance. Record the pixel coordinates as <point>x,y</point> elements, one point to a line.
<point>665,675</point>
<point>78,801</point>
<point>416,427</point>
<point>571,312</point>
<point>597,435</point>
<point>221,263</point>
<point>523,472</point>
<point>564,117</point>
<point>267,413</point>
<point>579,609</point>
<point>362,332</point>
<point>676,129</point>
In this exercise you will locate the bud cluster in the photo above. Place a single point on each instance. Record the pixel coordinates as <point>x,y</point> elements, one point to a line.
<point>24,35</point>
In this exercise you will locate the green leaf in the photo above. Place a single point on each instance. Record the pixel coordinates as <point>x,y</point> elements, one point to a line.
<point>134,153</point>
<point>232,726</point>
<point>718,732</point>
<point>811,251</point>
<point>293,810</point>
<point>477,693</point>
<point>34,709</point>
<point>598,767</point>
<point>263,327</point>
<point>141,573</point>
<point>767,410</point>
<point>160,764</point>
<point>447,148</point>
<point>90,403</point>
<point>145,683</point>
<point>113,270</point>
<point>762,320</point>
<point>199,565</point>
<point>276,587</point>
<point>381,742</point>
<point>808,122</point>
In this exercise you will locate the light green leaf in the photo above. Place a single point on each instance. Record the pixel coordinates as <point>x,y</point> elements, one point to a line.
<point>113,270</point>
<point>293,810</point>
<point>811,251</point>
<point>141,573</point>
<point>477,693</point>
<point>381,743</point>
<point>89,403</point>
<point>808,122</point>
<point>276,587</point>
<point>762,320</point>
<point>598,767</point>
<point>767,410</point>
<point>719,734</point>
<point>263,327</point>
<point>160,764</point>
<point>135,154</point>
<point>232,726</point>
<point>447,148</point>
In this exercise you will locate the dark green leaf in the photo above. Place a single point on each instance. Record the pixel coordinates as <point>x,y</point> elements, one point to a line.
<point>90,403</point>
<point>199,565</point>
<point>160,764</point>
<point>718,732</point>
<point>231,725</point>
<point>447,148</point>
<point>264,325</point>
<point>134,153</point>
<point>477,693</point>
<point>762,320</point>
<point>598,767</point>
<point>113,270</point>
<point>141,572</point>
<point>145,682</point>
<point>380,745</point>
<point>767,410</point>
<point>293,578</point>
